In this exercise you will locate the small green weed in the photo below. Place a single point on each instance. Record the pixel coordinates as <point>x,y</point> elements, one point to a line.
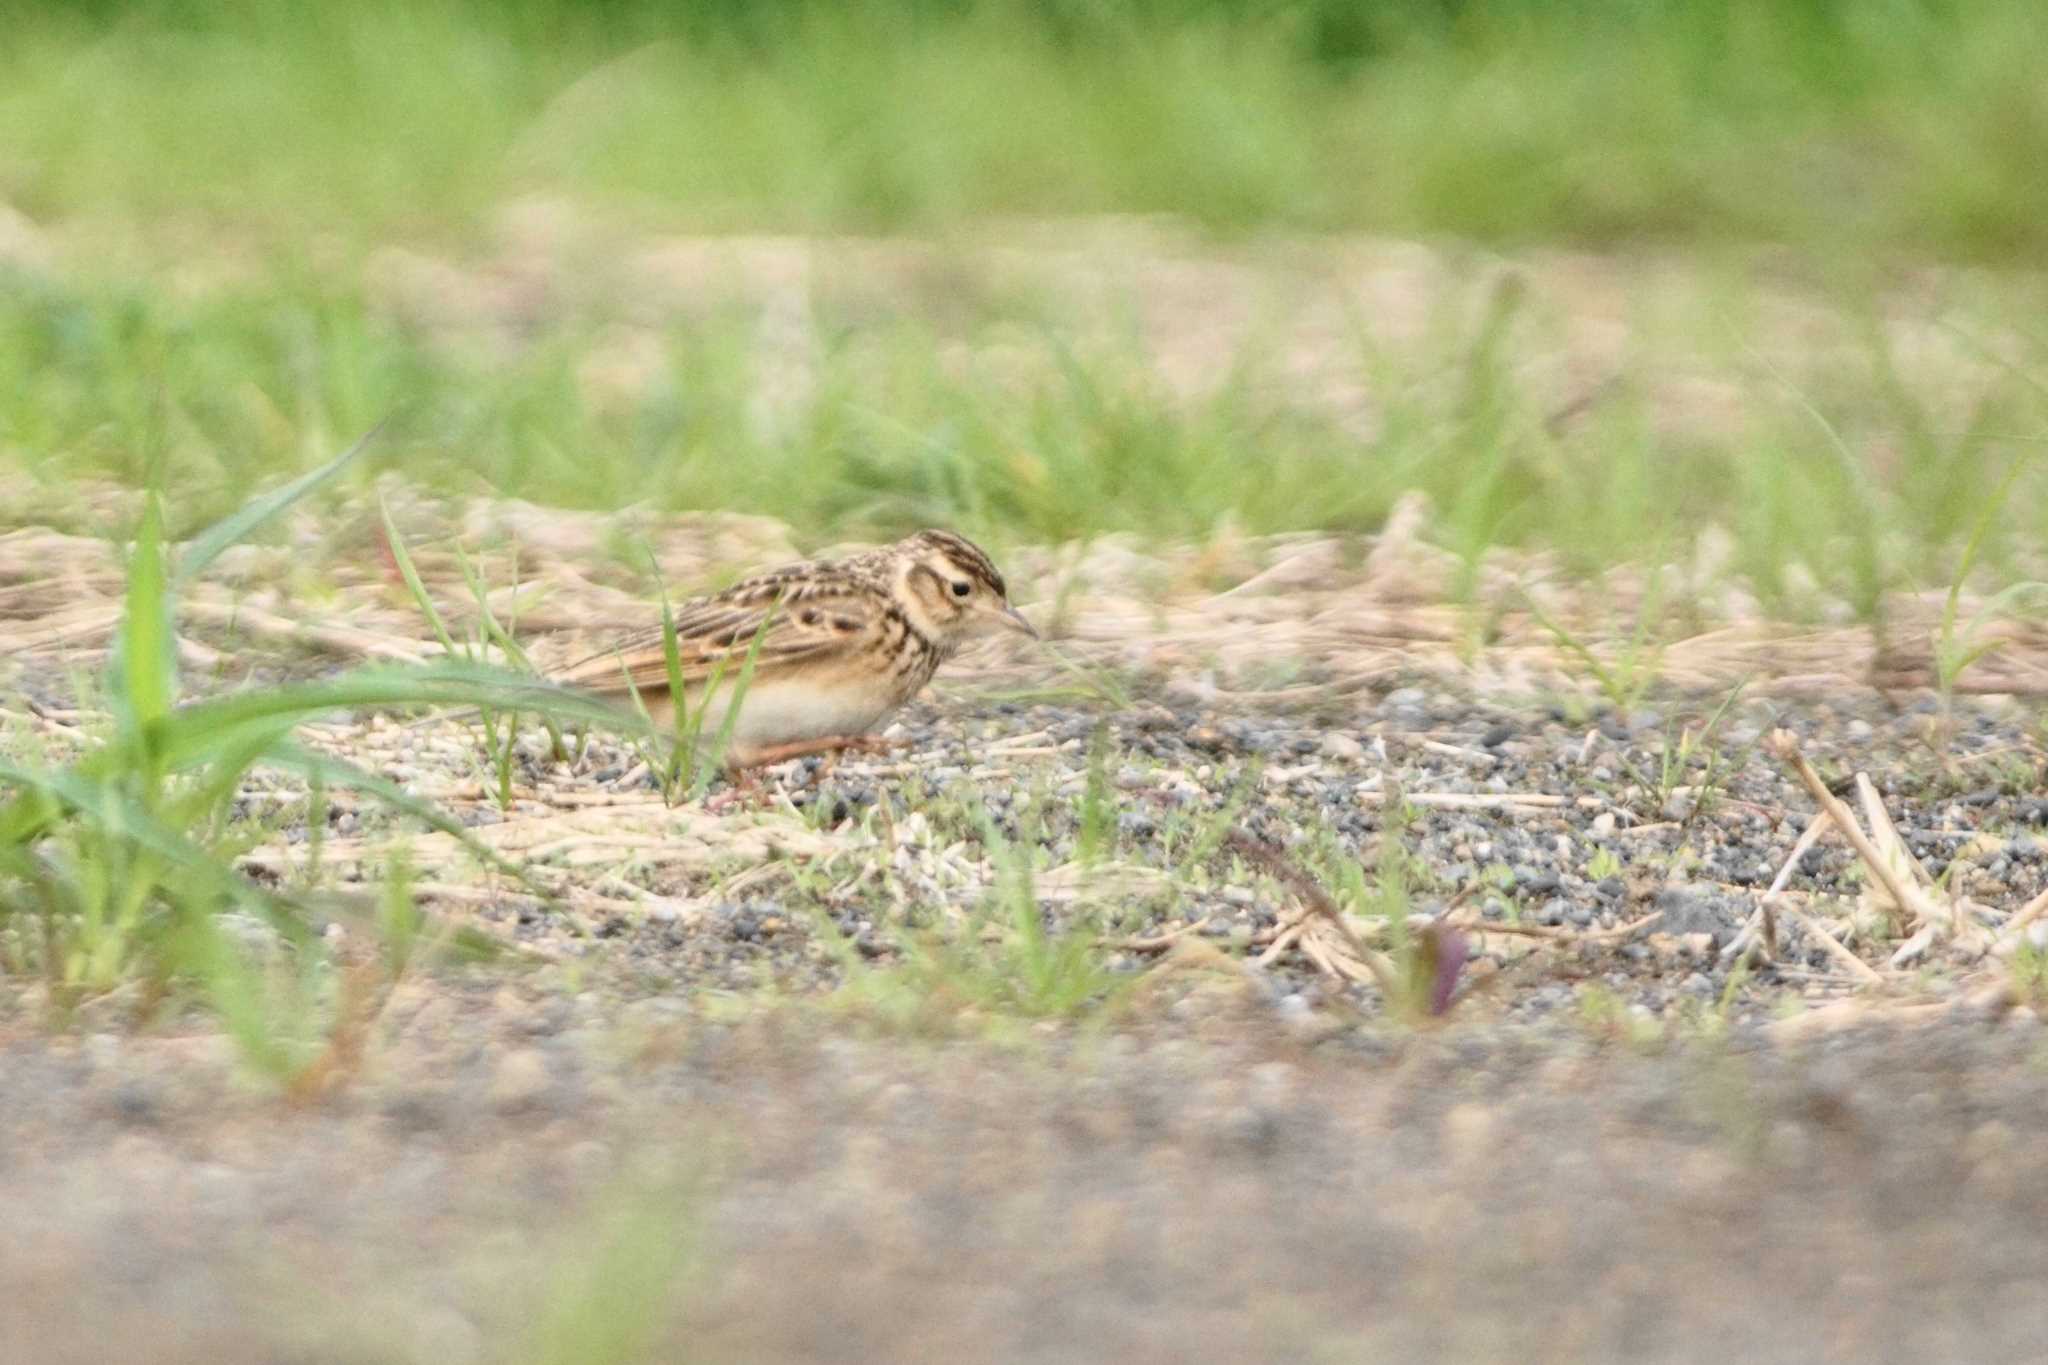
<point>2028,970</point>
<point>1097,835</point>
<point>118,866</point>
<point>615,1285</point>
<point>1628,677</point>
<point>1959,644</point>
<point>1000,967</point>
<point>1607,1016</point>
<point>1683,750</point>
<point>688,767</point>
<point>500,730</point>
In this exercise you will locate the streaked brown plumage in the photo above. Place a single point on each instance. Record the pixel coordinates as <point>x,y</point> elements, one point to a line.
<point>848,641</point>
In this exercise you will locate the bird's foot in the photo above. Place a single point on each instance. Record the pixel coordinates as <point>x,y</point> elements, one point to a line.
<point>745,792</point>
<point>831,746</point>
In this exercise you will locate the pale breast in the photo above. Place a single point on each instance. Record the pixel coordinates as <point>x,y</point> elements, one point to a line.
<point>778,711</point>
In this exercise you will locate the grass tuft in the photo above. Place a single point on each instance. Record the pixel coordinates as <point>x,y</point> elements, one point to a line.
<point>117,867</point>
<point>1002,966</point>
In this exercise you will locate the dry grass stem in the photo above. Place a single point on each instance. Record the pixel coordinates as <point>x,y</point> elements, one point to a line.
<point>1904,890</point>
<point>1364,625</point>
<point>1158,943</point>
<point>1560,933</point>
<point>1761,920</point>
<point>1857,967</point>
<point>1485,800</point>
<point>1284,939</point>
<point>2012,935</point>
<point>1347,956</point>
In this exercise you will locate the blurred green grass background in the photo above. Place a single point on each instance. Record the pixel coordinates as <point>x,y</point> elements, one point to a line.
<point>271,151</point>
<point>1920,124</point>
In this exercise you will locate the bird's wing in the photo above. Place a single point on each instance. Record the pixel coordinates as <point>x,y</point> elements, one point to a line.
<point>812,612</point>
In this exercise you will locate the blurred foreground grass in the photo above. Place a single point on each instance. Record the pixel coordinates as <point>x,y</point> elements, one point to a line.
<point>225,186</point>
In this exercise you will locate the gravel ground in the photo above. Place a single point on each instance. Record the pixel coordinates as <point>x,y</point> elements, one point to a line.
<point>1599,824</point>
<point>675,1141</point>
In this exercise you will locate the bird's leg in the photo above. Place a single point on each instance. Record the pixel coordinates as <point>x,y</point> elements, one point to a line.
<point>865,744</point>
<point>745,776</point>
<point>745,790</point>
<point>830,744</point>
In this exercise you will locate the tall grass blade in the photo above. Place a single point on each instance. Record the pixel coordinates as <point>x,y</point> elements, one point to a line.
<point>192,732</point>
<point>108,811</point>
<point>144,664</point>
<point>399,921</point>
<point>494,630</point>
<point>1980,530</point>
<point>236,989</point>
<point>684,723</point>
<point>207,546</point>
<point>723,740</point>
<point>337,772</point>
<point>406,571</point>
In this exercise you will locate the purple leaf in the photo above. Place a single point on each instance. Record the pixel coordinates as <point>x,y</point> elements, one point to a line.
<point>1449,955</point>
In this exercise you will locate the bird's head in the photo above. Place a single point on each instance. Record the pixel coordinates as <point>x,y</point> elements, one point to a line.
<point>950,589</point>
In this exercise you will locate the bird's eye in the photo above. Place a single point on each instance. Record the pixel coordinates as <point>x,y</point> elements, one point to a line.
<point>961,589</point>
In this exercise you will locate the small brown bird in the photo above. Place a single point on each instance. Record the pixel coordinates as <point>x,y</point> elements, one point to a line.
<point>847,642</point>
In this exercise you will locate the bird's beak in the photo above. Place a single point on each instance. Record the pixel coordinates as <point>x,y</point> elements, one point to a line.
<point>1014,620</point>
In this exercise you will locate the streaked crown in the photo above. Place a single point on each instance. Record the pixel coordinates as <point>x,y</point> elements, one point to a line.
<point>970,558</point>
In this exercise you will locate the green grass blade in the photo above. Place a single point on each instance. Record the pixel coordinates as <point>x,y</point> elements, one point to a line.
<point>110,811</point>
<point>1979,532</point>
<point>207,546</point>
<point>723,740</point>
<point>672,663</point>
<point>335,772</point>
<point>1097,831</point>
<point>403,559</point>
<point>495,632</point>
<point>222,772</point>
<point>1101,683</point>
<point>644,748</point>
<point>686,724</point>
<point>192,733</point>
<point>1610,684</point>
<point>683,723</point>
<point>493,629</point>
<point>399,920</point>
<point>144,664</point>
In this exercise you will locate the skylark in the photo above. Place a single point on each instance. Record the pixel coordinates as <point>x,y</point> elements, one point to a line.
<point>847,642</point>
